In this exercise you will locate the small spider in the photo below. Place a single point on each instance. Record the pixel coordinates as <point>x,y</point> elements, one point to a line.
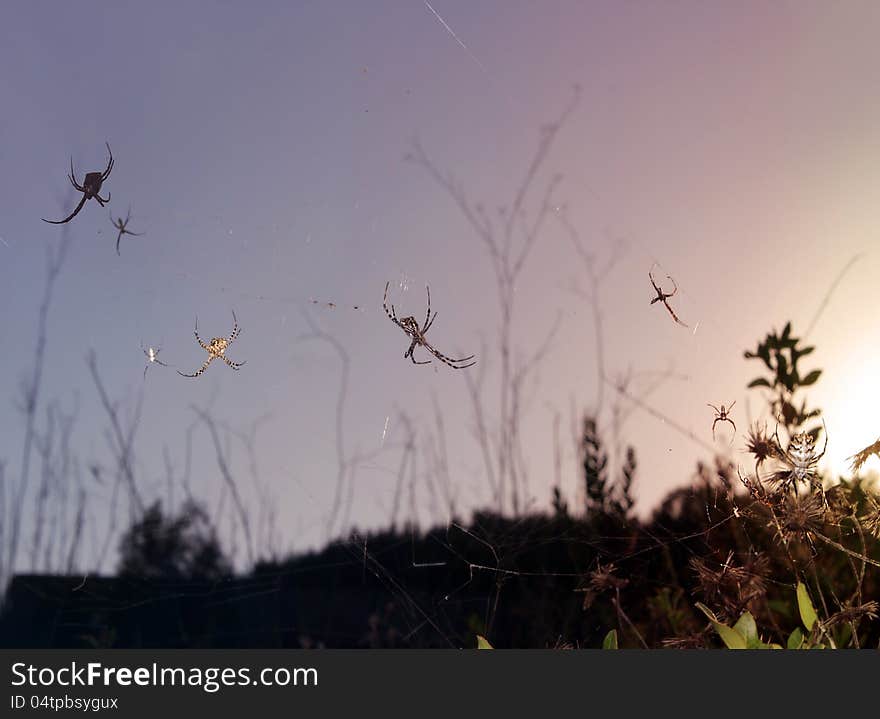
<point>721,416</point>
<point>216,348</point>
<point>152,356</point>
<point>663,296</point>
<point>121,225</point>
<point>417,334</point>
<point>90,188</point>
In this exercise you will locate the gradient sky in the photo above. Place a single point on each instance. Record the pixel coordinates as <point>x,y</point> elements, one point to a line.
<point>262,153</point>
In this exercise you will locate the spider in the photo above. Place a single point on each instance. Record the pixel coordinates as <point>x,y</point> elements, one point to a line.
<point>152,356</point>
<point>721,416</point>
<point>121,225</point>
<point>90,188</point>
<point>663,296</point>
<point>417,334</point>
<point>800,458</point>
<point>216,348</point>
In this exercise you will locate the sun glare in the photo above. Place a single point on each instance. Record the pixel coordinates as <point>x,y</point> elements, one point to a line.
<point>852,415</point>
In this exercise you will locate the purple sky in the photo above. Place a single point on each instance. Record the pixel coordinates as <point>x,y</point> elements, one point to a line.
<point>261,152</point>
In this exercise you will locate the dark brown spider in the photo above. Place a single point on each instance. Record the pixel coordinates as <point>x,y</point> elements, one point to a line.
<point>721,416</point>
<point>121,225</point>
<point>417,334</point>
<point>90,188</point>
<point>663,296</point>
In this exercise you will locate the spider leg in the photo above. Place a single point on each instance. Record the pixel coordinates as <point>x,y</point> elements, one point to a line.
<point>714,407</point>
<point>731,405</point>
<point>717,419</point>
<point>728,419</point>
<point>199,339</point>
<point>70,216</point>
<point>392,315</point>
<point>656,288</point>
<point>146,367</point>
<point>234,365</point>
<point>672,312</point>
<point>454,363</point>
<point>409,353</point>
<point>200,370</point>
<point>825,447</point>
<point>101,200</point>
<point>428,315</point>
<point>72,178</point>
<point>236,330</point>
<point>429,323</point>
<point>119,237</point>
<point>158,361</point>
<point>106,173</point>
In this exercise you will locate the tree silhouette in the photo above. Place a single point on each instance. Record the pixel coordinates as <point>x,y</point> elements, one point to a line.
<point>185,546</point>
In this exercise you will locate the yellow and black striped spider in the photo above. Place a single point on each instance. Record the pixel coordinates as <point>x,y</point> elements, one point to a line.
<point>90,188</point>
<point>800,460</point>
<point>216,348</point>
<point>417,334</point>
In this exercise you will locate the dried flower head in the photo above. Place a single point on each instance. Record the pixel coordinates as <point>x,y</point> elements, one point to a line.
<point>871,518</point>
<point>862,456</point>
<point>760,444</point>
<point>729,587</point>
<point>801,516</point>
<point>601,579</point>
<point>852,614</point>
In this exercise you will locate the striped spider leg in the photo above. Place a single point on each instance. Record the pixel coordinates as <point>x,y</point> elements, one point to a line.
<point>152,356</point>
<point>216,348</point>
<point>417,334</point>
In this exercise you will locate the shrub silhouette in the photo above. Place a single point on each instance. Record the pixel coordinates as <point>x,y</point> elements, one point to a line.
<point>179,547</point>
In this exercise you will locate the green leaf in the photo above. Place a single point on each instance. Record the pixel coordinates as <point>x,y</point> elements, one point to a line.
<point>748,629</point>
<point>805,607</point>
<point>811,378</point>
<point>483,643</point>
<point>795,639</point>
<point>731,638</point>
<point>610,641</point>
<point>760,382</point>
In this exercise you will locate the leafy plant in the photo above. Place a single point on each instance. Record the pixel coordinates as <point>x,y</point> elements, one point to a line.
<point>780,354</point>
<point>744,634</point>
